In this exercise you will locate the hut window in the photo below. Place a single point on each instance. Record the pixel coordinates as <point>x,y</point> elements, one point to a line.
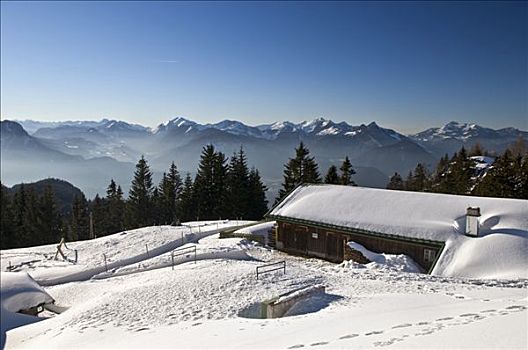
<point>315,235</point>
<point>429,255</point>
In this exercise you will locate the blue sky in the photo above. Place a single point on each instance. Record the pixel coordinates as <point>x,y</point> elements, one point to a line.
<point>406,65</point>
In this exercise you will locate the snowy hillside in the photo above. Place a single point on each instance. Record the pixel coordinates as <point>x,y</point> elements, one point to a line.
<point>211,302</point>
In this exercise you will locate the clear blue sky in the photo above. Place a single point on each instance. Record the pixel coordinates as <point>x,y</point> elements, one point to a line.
<point>405,65</point>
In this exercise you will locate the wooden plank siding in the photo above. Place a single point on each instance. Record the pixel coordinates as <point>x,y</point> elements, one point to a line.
<point>329,244</point>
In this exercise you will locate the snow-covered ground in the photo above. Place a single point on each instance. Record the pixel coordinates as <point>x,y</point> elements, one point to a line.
<point>211,302</point>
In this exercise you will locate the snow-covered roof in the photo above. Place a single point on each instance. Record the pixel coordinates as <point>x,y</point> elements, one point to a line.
<point>19,291</point>
<point>414,215</point>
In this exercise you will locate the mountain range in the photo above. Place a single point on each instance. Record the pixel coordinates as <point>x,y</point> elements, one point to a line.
<point>90,153</point>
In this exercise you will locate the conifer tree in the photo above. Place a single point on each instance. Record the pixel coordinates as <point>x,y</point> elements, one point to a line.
<point>299,170</point>
<point>396,182</point>
<point>257,194</point>
<point>210,185</point>
<point>346,173</point>
<point>80,220</point>
<point>186,208</point>
<point>19,209</point>
<point>238,188</point>
<point>169,191</point>
<point>419,180</point>
<point>30,219</point>
<point>139,205</point>
<point>502,180</point>
<point>440,172</point>
<point>7,225</point>
<point>408,181</point>
<point>331,176</point>
<point>100,216</point>
<point>115,205</point>
<point>50,221</point>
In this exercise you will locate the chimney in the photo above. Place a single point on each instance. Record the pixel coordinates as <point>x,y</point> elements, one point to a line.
<point>472,221</point>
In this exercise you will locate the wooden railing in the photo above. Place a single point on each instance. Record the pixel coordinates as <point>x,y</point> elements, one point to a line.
<point>281,265</point>
<point>183,251</point>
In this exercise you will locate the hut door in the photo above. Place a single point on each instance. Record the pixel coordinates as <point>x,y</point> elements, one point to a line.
<point>334,247</point>
<point>301,239</point>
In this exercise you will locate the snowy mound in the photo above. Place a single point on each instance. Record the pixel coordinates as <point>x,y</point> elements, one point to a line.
<point>398,262</point>
<point>18,291</point>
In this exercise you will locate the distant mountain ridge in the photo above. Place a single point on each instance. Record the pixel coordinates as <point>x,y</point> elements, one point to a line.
<point>111,147</point>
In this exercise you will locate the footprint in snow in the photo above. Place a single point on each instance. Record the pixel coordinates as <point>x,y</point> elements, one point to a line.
<point>516,307</point>
<point>296,346</point>
<point>349,336</point>
<point>444,319</point>
<point>422,323</point>
<point>196,324</point>
<point>402,325</point>
<point>488,311</point>
<point>388,342</point>
<point>373,332</point>
<point>142,329</point>
<point>319,343</point>
<point>468,315</point>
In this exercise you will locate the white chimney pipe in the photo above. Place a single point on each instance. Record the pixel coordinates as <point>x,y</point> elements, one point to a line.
<point>472,221</point>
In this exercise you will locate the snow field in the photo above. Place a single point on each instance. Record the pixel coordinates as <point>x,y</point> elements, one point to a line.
<point>120,249</point>
<point>202,304</point>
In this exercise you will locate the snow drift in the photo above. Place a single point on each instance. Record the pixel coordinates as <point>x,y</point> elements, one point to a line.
<point>398,262</point>
<point>18,291</point>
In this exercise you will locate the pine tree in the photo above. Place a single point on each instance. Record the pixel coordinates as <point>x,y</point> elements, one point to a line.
<point>440,172</point>
<point>220,172</point>
<point>408,183</point>
<point>210,185</point>
<point>100,216</point>
<point>257,194</point>
<point>50,221</point>
<point>419,180</point>
<point>346,173</point>
<point>299,170</point>
<point>19,209</point>
<point>115,208</point>
<point>504,179</point>
<point>331,176</point>
<point>7,225</point>
<point>238,188</point>
<point>80,220</point>
<point>30,220</point>
<point>186,208</point>
<point>396,182</point>
<point>139,205</point>
<point>456,179</point>
<point>169,191</point>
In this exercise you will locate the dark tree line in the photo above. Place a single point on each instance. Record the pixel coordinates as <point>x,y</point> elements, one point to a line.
<point>27,219</point>
<point>507,177</point>
<point>222,188</point>
<point>303,169</point>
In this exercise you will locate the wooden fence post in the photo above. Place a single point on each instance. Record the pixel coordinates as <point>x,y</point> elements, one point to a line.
<point>106,266</point>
